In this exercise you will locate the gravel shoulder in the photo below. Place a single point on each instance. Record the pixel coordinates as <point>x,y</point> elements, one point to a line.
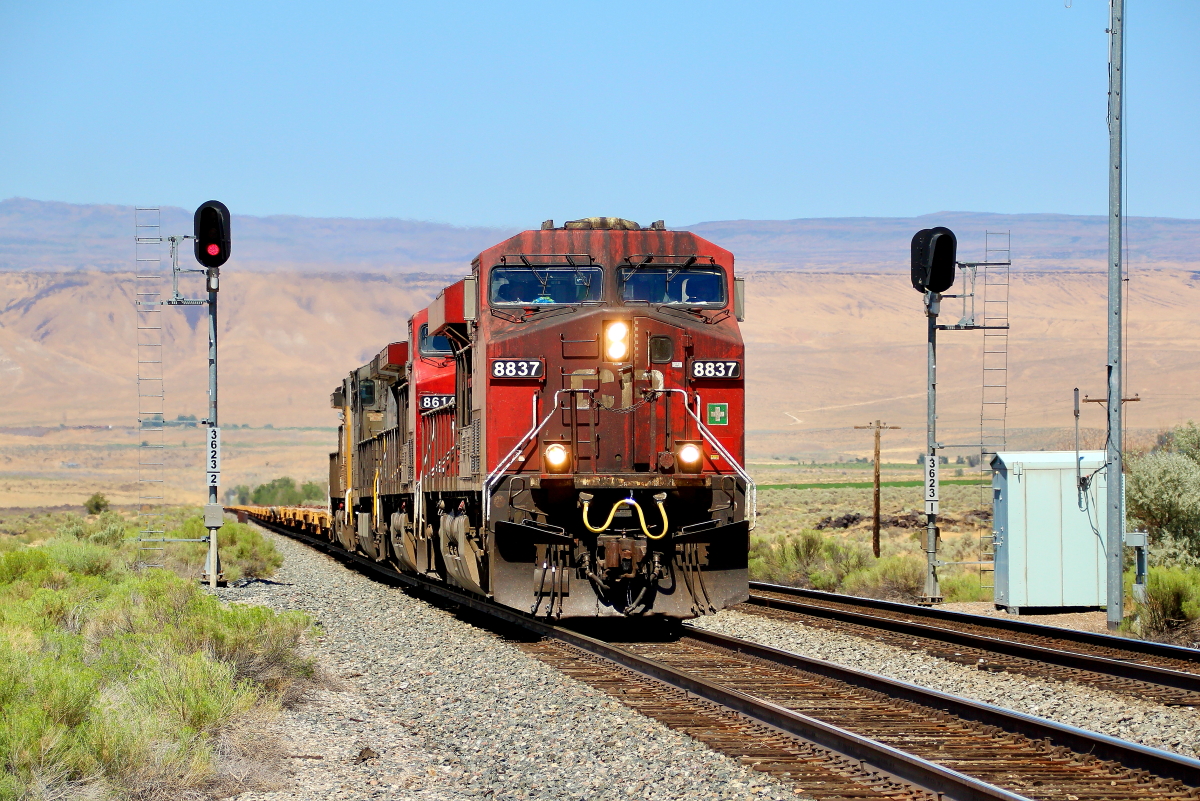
<point>456,712</point>
<point>1174,729</point>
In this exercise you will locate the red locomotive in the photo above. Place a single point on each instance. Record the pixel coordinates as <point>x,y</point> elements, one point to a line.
<point>563,432</point>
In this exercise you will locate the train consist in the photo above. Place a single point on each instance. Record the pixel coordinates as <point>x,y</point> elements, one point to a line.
<point>562,432</point>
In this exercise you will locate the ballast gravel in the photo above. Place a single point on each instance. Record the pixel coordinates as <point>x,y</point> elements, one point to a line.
<point>453,711</point>
<point>1174,729</point>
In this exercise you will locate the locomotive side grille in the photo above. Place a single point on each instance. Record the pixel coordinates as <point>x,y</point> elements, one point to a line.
<point>406,463</point>
<point>468,450</point>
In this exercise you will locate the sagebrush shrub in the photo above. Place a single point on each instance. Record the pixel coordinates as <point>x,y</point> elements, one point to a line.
<point>1163,493</point>
<point>1172,601</point>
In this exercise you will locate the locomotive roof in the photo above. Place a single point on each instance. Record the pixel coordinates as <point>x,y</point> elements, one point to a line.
<point>608,245</point>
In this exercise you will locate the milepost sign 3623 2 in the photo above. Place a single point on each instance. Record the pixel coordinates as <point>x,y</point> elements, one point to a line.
<point>212,460</point>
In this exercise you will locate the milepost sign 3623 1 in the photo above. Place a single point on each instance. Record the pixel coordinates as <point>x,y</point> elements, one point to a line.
<point>931,484</point>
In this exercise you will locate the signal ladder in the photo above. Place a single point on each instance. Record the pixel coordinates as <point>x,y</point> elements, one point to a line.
<point>993,415</point>
<point>148,280</point>
<point>148,287</point>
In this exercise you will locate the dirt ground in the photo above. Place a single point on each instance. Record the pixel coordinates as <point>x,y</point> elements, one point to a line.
<point>52,466</point>
<point>1096,622</point>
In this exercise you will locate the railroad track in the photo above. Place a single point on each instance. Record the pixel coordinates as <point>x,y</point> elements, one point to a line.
<point>1164,673</point>
<point>833,732</point>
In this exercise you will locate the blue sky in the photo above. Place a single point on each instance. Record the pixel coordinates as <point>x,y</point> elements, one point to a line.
<point>509,113</point>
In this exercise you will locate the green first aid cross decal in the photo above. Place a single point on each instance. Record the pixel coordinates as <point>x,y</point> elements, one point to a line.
<point>718,414</point>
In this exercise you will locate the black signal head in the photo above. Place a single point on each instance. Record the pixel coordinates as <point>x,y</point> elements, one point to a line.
<point>934,256</point>
<point>212,233</point>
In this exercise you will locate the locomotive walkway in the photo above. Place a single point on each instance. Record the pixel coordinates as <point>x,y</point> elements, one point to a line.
<point>832,731</point>
<point>1166,674</point>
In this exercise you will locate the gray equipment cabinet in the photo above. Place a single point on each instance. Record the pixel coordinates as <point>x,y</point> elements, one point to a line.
<point>1049,533</point>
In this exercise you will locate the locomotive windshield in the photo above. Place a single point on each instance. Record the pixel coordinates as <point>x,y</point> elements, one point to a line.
<point>531,286</point>
<point>434,346</point>
<point>692,286</point>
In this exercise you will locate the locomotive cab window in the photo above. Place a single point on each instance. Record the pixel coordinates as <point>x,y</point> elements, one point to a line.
<point>366,392</point>
<point>434,346</point>
<point>692,286</point>
<point>534,286</point>
<point>662,350</point>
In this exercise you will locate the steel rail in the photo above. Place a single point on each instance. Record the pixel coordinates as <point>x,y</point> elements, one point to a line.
<point>906,767</point>
<point>1147,674</point>
<point>1130,755</point>
<point>1178,679</point>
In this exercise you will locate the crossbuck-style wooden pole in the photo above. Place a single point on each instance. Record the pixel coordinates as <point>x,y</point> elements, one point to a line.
<point>877,427</point>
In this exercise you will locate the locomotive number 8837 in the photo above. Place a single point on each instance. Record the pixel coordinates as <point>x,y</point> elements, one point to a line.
<point>563,431</point>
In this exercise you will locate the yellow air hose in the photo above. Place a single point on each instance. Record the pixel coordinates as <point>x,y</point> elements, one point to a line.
<point>613,513</point>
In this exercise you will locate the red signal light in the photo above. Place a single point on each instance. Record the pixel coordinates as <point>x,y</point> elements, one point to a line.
<point>214,249</point>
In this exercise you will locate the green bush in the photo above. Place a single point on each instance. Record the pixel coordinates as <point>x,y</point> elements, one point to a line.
<point>784,559</point>
<point>1185,440</point>
<point>284,492</point>
<point>123,681</point>
<point>1172,602</point>
<point>108,529</point>
<point>74,526</point>
<point>900,578</point>
<point>833,563</point>
<point>244,552</point>
<point>1163,493</point>
<point>96,504</point>
<point>960,587</point>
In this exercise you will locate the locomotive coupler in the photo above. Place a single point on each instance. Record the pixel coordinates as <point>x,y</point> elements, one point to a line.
<point>622,555</point>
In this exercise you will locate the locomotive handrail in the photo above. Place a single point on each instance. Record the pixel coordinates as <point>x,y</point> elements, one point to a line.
<point>751,489</point>
<point>507,461</point>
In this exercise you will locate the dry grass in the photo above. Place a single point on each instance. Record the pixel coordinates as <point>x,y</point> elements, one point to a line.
<point>787,548</point>
<point>1171,610</point>
<point>133,683</point>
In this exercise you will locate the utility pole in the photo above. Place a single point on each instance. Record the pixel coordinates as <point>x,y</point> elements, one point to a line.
<point>878,427</point>
<point>1115,495</point>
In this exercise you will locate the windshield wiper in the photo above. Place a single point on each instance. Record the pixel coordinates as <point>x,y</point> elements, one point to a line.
<point>529,314</point>
<point>674,311</point>
<point>675,264</point>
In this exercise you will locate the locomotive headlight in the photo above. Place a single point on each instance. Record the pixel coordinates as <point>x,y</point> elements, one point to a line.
<point>558,458</point>
<point>689,457</point>
<point>616,340</point>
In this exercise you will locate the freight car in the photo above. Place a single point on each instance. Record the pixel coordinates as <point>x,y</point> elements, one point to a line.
<point>563,431</point>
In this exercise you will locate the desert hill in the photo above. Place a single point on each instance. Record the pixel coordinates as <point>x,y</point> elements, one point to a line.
<point>824,351</point>
<point>830,344</point>
<point>46,236</point>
